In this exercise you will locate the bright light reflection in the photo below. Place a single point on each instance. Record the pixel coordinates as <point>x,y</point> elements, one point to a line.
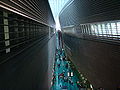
<point>104,29</point>
<point>68,74</point>
<point>56,7</point>
<point>71,73</point>
<point>58,25</point>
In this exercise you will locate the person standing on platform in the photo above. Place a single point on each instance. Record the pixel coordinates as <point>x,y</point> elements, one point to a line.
<point>60,38</point>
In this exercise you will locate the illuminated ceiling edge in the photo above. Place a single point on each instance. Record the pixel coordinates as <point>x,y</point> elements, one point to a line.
<point>12,9</point>
<point>68,4</point>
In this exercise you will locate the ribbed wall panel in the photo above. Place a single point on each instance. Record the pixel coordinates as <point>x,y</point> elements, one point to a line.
<point>91,39</point>
<point>38,10</point>
<point>87,11</point>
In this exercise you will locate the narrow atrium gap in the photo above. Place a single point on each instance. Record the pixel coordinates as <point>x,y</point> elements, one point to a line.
<point>56,7</point>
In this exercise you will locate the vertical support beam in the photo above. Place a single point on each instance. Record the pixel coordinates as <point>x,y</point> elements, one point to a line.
<point>116,30</point>
<point>106,29</point>
<point>23,28</point>
<point>16,29</point>
<point>97,29</point>
<point>34,30</point>
<point>111,29</point>
<point>6,31</point>
<point>101,29</point>
<point>90,29</point>
<point>28,30</point>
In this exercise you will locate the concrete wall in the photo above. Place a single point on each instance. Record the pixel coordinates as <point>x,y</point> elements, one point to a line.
<point>88,11</point>
<point>30,69</point>
<point>98,61</point>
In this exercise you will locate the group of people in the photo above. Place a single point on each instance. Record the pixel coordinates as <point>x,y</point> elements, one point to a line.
<point>62,67</point>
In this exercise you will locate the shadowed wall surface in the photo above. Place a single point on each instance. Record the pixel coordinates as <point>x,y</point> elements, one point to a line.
<point>98,61</point>
<point>29,70</point>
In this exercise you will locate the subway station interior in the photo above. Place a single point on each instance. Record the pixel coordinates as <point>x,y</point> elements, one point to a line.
<point>59,44</point>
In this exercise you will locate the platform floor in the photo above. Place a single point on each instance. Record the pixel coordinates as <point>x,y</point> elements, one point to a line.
<point>64,76</point>
<point>63,79</point>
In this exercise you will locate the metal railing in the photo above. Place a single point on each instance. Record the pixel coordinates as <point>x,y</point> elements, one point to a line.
<point>107,30</point>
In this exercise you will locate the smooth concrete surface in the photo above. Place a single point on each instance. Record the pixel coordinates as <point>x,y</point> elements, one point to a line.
<point>51,58</point>
<point>28,70</point>
<point>99,62</point>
